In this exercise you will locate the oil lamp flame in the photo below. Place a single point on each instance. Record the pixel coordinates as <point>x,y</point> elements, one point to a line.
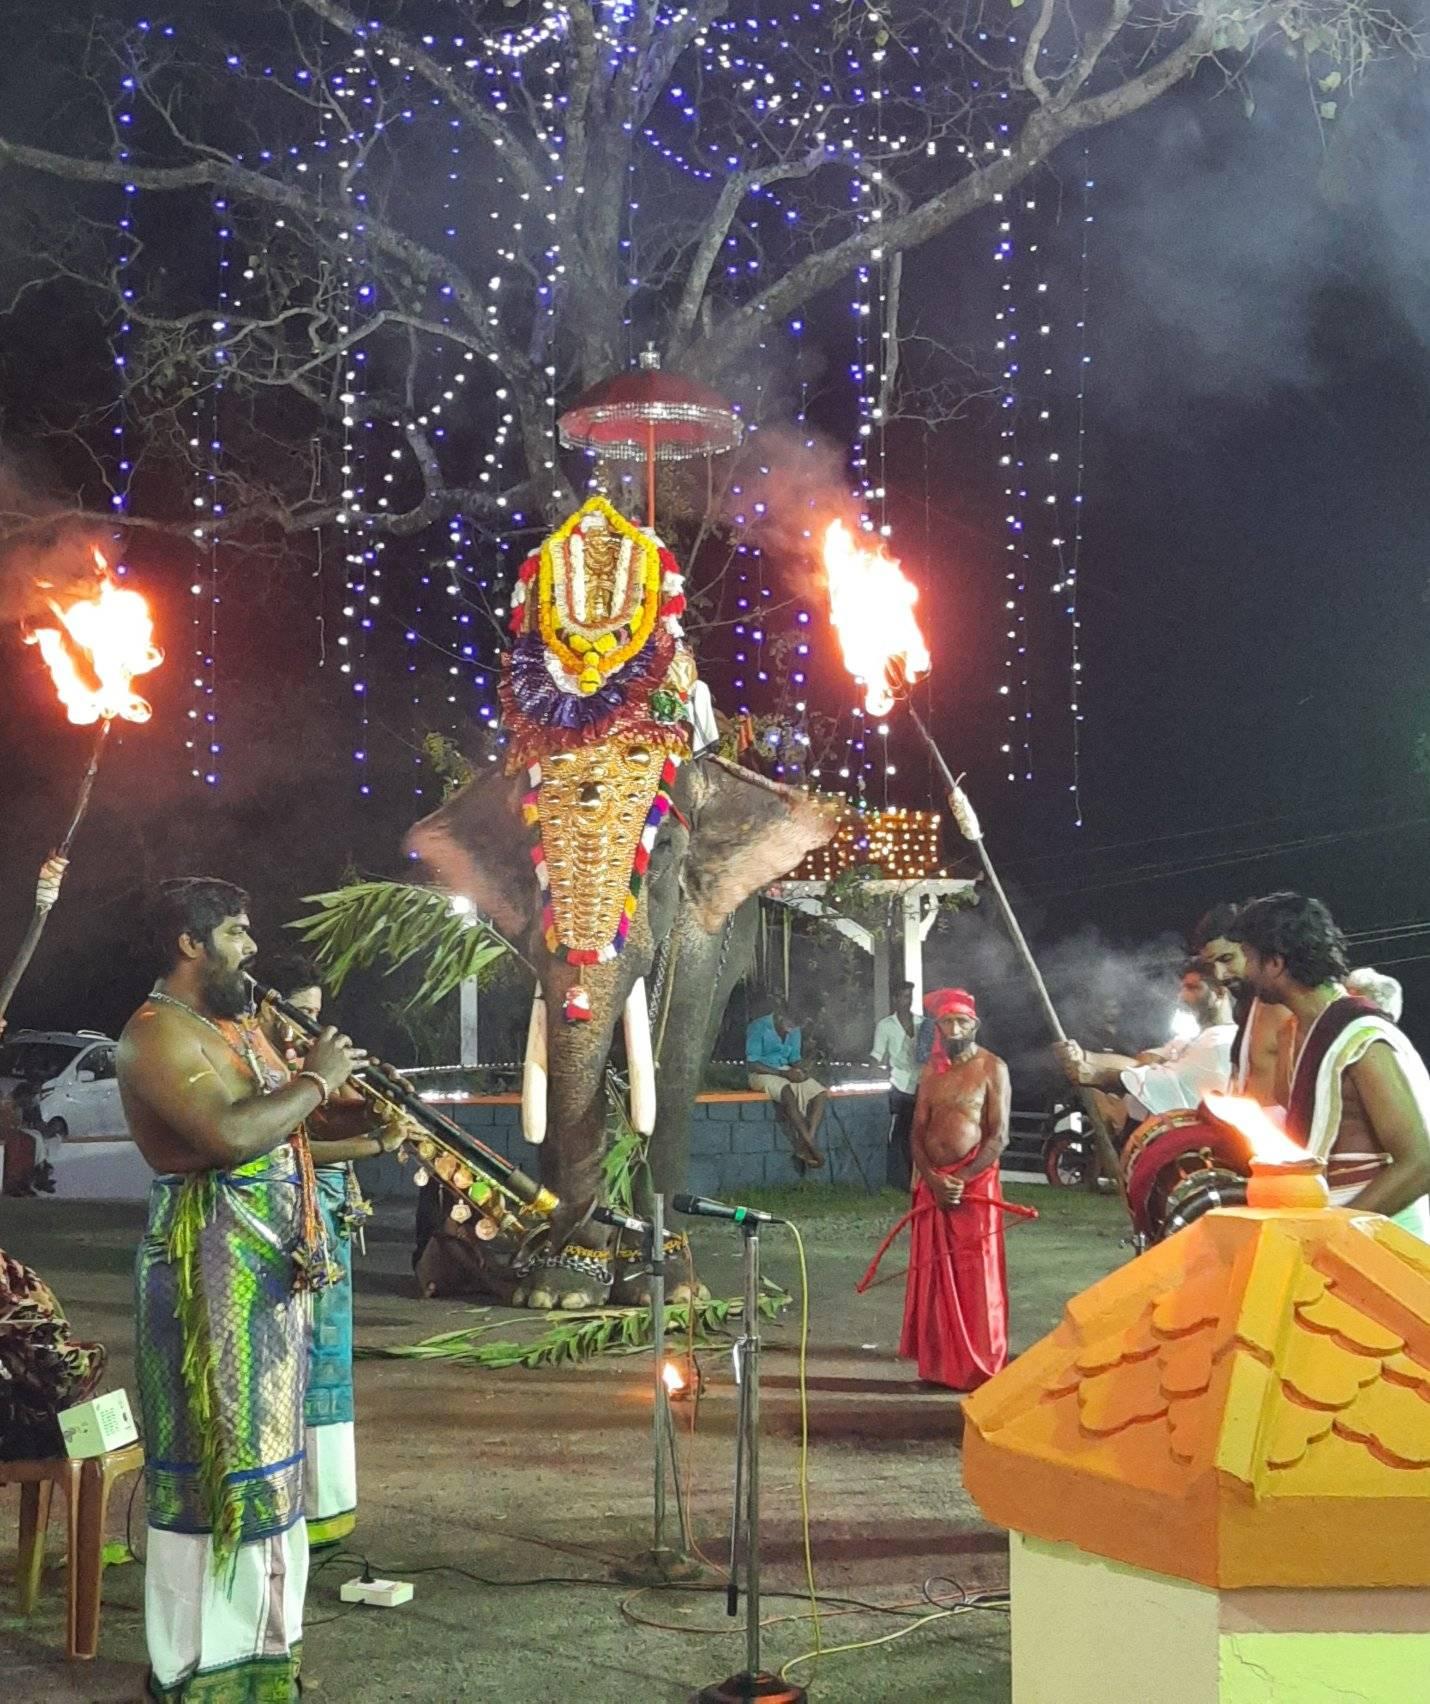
<point>1269,1143</point>
<point>871,604</point>
<point>672,1377</point>
<point>1284,1176</point>
<point>95,647</point>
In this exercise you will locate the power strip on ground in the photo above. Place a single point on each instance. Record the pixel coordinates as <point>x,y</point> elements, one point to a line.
<point>381,1594</point>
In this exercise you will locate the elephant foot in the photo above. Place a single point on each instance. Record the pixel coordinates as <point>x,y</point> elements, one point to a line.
<point>632,1286</point>
<point>571,1279</point>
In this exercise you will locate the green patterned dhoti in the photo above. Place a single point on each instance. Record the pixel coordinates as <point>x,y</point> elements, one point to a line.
<point>330,1465</point>
<point>222,1362</point>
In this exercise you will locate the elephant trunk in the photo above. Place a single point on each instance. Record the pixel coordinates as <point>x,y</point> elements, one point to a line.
<point>576,1093</point>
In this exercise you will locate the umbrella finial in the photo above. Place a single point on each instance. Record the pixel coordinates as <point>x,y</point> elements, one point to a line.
<point>650,359</point>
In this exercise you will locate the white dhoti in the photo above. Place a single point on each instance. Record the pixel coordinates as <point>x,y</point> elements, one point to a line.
<point>805,1093</point>
<point>330,1481</point>
<point>202,1622</point>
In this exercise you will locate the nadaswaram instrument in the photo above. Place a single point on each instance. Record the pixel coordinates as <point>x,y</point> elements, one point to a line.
<point>487,1186</point>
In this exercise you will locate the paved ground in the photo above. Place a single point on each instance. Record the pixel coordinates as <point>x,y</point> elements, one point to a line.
<point>474,1482</point>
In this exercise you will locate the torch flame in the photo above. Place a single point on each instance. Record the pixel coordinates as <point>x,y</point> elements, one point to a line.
<point>1269,1142</point>
<point>672,1377</point>
<point>871,603</point>
<point>95,647</point>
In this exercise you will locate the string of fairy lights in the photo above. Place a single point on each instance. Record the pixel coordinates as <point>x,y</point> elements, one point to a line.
<point>783,80</point>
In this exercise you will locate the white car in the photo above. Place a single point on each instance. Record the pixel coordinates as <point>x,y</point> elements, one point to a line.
<point>66,1091</point>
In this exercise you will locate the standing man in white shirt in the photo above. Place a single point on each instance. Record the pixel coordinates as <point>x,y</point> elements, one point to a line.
<point>1165,1079</point>
<point>893,1049</point>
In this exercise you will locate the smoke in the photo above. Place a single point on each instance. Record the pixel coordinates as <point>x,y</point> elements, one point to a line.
<point>1238,231</point>
<point>1108,996</point>
<point>45,551</point>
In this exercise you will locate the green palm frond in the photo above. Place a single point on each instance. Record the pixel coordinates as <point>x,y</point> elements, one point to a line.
<point>580,1335</point>
<point>625,1148</point>
<point>385,925</point>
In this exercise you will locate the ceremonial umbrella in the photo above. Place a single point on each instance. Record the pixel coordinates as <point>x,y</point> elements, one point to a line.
<point>651,415</point>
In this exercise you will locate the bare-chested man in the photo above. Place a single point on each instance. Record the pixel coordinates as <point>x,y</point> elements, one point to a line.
<point>1265,1033</point>
<point>956,1304</point>
<point>1359,1093</point>
<point>222,1277</point>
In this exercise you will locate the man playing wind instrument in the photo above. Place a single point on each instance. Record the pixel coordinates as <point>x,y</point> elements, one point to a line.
<point>233,1249</point>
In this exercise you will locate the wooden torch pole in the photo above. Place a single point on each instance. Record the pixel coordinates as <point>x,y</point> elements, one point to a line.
<point>52,872</point>
<point>969,828</point>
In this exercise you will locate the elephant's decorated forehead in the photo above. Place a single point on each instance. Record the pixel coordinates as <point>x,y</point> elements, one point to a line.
<point>594,814</point>
<point>597,646</point>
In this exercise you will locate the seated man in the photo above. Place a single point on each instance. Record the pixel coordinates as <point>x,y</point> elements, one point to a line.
<point>773,1047</point>
<point>1164,1079</point>
<point>42,1368</point>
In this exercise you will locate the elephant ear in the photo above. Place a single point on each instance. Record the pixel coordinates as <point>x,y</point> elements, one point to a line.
<point>476,845</point>
<point>747,833</point>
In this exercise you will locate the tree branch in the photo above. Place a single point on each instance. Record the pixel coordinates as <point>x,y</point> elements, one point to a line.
<point>717,228</point>
<point>1043,132</point>
<point>223,173</point>
<point>1032,81</point>
<point>440,77</point>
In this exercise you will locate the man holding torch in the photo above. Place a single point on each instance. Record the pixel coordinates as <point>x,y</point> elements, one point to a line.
<point>956,1303</point>
<point>233,1247</point>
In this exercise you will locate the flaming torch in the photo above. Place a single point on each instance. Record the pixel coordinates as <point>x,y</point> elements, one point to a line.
<point>94,646</point>
<point>872,606</point>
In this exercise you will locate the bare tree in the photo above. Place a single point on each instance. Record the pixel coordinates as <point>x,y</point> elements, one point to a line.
<point>433,223</point>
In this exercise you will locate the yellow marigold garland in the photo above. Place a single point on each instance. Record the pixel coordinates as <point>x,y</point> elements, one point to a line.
<point>591,665</point>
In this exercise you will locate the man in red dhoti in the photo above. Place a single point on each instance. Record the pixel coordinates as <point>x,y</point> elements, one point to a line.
<point>956,1304</point>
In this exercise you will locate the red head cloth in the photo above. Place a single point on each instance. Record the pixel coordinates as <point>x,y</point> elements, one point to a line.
<point>940,1004</point>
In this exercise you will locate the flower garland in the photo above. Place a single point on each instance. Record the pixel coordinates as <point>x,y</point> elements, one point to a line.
<point>540,717</point>
<point>591,659</point>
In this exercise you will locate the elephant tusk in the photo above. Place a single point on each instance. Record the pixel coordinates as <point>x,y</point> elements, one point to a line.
<point>533,1075</point>
<point>640,1060</point>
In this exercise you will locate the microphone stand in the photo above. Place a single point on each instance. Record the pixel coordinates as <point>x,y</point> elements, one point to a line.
<point>751,1682</point>
<point>661,1562</point>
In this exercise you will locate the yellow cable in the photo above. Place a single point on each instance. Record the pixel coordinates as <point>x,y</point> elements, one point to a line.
<point>804,1440</point>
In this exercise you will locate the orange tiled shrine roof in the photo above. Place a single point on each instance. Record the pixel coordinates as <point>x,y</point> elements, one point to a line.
<point>1247,1404</point>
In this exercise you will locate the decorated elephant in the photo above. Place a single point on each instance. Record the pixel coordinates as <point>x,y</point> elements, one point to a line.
<point>614,860</point>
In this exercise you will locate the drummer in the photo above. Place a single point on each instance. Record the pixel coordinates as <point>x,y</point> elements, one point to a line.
<point>1168,1078</point>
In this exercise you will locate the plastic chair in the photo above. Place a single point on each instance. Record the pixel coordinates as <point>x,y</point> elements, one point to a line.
<point>86,1485</point>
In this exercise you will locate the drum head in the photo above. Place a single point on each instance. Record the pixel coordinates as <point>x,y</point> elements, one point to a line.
<point>1169,1151</point>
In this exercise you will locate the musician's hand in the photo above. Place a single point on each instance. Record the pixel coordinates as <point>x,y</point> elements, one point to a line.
<point>394,1131</point>
<point>1073,1059</point>
<point>334,1058</point>
<point>396,1076</point>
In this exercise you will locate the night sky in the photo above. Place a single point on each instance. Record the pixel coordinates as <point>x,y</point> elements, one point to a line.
<point>1254,588</point>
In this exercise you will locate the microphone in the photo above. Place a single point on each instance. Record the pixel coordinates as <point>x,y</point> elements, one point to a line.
<point>701,1207</point>
<point>619,1221</point>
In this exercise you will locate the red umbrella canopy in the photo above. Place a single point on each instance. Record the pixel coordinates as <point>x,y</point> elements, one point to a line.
<point>650,412</point>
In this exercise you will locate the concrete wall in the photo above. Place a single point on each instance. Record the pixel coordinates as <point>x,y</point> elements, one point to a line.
<point>735,1143</point>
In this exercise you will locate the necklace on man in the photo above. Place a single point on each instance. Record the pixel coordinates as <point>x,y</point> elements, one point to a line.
<point>315,1267</point>
<point>247,1052</point>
